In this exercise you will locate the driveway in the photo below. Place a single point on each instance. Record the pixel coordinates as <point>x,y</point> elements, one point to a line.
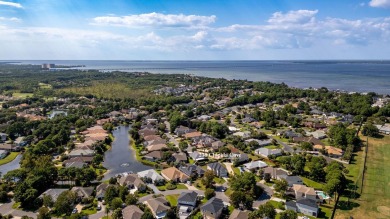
<point>229,167</point>
<point>100,213</point>
<point>154,188</point>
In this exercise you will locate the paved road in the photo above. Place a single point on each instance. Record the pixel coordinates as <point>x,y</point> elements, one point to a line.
<point>6,209</point>
<point>286,147</point>
<point>266,196</point>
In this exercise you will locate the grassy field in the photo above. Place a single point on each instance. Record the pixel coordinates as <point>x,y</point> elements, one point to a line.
<point>374,201</point>
<point>311,183</point>
<point>10,157</point>
<point>44,86</point>
<point>22,95</point>
<point>172,199</point>
<point>109,90</point>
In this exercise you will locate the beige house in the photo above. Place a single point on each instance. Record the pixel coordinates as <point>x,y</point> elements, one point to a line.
<point>174,174</point>
<point>302,191</point>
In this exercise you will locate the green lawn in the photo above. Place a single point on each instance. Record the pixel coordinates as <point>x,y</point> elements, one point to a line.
<point>172,199</point>
<point>374,201</point>
<point>22,95</point>
<point>44,86</point>
<point>89,211</point>
<point>277,205</point>
<point>313,184</point>
<point>219,180</point>
<point>236,171</point>
<point>10,157</point>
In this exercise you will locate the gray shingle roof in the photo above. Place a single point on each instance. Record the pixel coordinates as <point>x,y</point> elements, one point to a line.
<point>213,206</point>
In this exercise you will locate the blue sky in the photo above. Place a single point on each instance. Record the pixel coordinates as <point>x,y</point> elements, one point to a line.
<point>194,30</point>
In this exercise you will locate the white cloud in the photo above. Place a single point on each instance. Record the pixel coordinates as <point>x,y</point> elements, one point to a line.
<point>380,3</point>
<point>299,16</point>
<point>156,20</point>
<point>11,4</point>
<point>13,19</point>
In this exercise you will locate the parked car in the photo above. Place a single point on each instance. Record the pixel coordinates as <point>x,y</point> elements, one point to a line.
<point>74,211</point>
<point>99,208</point>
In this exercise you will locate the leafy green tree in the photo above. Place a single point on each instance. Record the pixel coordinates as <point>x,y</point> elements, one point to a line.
<point>239,198</point>
<point>266,210</point>
<point>117,214</point>
<point>246,183</point>
<point>370,130</point>
<point>47,201</point>
<point>208,179</point>
<point>307,146</point>
<point>65,202</point>
<point>281,186</point>
<point>131,199</point>
<point>209,193</point>
<point>116,203</point>
<point>3,196</point>
<point>43,213</point>
<point>288,214</point>
<point>110,194</point>
<point>171,213</point>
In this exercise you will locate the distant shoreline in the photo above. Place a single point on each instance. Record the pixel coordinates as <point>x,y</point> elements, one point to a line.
<point>361,76</point>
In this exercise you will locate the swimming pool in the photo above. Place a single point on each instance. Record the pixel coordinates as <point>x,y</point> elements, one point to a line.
<point>322,195</point>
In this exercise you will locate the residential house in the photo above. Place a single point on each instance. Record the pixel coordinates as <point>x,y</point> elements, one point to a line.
<point>292,180</point>
<point>156,147</point>
<point>53,193</point>
<point>291,134</point>
<point>182,130</point>
<point>3,154</point>
<point>334,152</point>
<point>265,152</point>
<point>305,206</point>
<point>239,157</point>
<point>384,129</point>
<point>132,181</point>
<point>81,153</point>
<point>158,206</point>
<point>132,212</point>
<point>9,147</point>
<point>101,190</point>
<point>218,169</point>
<point>192,170</point>
<point>254,165</point>
<point>216,145</point>
<point>20,141</point>
<point>172,173</point>
<point>245,134</point>
<point>196,156</point>
<point>238,214</point>
<point>319,134</point>
<point>262,143</point>
<point>180,157</point>
<point>275,173</point>
<point>302,191</point>
<point>151,174</point>
<point>187,202</point>
<point>154,156</point>
<point>3,137</point>
<point>82,192</point>
<point>204,117</point>
<point>192,135</point>
<point>212,209</point>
